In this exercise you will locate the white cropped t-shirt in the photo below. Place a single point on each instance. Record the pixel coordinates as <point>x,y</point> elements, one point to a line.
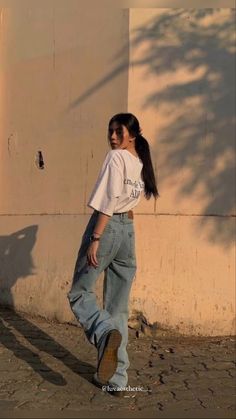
<point>119,185</point>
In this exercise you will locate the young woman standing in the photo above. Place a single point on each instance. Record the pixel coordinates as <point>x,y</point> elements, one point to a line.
<point>108,245</point>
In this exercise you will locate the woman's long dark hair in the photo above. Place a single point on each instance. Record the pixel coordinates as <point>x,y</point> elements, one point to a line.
<point>142,149</point>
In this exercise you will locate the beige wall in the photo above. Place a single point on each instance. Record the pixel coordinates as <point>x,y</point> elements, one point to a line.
<point>182,87</point>
<point>64,72</point>
<point>59,87</point>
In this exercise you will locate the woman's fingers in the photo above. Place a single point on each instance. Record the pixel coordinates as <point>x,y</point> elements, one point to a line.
<point>93,260</point>
<point>95,263</point>
<point>92,255</point>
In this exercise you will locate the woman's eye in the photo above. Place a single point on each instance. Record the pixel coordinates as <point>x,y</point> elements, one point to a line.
<point>118,132</point>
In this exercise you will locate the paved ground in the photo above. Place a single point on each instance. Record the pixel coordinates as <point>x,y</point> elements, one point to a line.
<point>46,370</point>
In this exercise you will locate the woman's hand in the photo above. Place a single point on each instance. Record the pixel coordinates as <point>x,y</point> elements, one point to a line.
<point>98,230</point>
<point>92,254</point>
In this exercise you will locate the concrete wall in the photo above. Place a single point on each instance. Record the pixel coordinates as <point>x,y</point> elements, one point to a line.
<point>55,98</point>
<point>65,70</point>
<point>182,87</point>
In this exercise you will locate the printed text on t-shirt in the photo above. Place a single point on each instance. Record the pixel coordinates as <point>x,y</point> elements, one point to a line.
<point>137,187</point>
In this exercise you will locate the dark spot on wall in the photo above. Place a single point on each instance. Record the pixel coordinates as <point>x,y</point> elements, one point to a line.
<point>39,160</point>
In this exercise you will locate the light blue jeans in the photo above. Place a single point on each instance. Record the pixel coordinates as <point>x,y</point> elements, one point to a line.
<point>116,257</point>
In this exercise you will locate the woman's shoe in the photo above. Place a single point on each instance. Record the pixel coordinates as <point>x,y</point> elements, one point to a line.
<point>107,363</point>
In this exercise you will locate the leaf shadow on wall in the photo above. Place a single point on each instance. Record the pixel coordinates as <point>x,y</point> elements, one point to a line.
<point>188,54</point>
<point>17,333</point>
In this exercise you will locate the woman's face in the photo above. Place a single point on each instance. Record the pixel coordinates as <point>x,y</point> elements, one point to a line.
<point>119,136</point>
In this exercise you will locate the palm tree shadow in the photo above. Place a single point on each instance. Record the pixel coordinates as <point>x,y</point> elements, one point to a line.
<point>190,55</point>
<point>16,262</point>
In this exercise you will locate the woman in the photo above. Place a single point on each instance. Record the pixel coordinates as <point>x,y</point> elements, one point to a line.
<point>108,245</point>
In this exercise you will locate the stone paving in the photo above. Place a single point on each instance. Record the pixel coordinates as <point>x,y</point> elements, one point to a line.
<point>46,370</point>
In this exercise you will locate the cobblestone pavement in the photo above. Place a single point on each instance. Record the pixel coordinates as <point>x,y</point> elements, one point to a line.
<point>46,368</point>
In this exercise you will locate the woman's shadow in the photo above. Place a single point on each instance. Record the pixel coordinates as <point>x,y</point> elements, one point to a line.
<point>16,262</point>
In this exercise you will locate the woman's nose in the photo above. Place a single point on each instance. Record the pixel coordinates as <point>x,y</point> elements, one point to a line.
<point>114,136</point>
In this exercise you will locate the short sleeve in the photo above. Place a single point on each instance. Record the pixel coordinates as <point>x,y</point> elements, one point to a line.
<point>108,187</point>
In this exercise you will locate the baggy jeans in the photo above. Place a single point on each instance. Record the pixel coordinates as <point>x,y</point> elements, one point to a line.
<point>116,257</point>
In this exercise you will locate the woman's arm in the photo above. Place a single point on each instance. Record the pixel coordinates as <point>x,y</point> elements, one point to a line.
<point>101,224</point>
<point>98,230</point>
